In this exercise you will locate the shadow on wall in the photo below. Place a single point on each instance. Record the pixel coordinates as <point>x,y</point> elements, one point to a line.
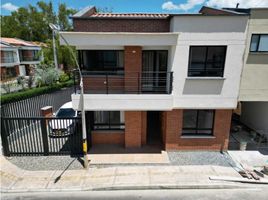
<point>203,87</point>
<point>257,58</point>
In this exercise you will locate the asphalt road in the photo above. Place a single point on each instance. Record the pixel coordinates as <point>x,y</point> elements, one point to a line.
<point>211,194</point>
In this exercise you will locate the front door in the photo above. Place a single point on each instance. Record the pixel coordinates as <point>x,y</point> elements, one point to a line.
<point>153,128</point>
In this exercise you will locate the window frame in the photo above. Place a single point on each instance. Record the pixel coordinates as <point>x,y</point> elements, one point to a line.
<point>196,129</point>
<point>258,44</point>
<point>109,124</point>
<point>207,47</point>
<point>101,68</point>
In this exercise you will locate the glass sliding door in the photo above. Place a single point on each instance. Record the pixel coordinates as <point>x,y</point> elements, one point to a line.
<point>154,70</point>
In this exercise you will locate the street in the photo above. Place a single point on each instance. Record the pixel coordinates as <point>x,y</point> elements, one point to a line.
<point>211,194</point>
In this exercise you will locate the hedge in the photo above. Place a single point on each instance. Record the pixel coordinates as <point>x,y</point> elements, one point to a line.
<point>28,93</point>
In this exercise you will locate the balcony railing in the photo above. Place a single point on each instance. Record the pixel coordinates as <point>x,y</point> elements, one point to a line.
<point>8,59</point>
<point>30,58</point>
<point>125,82</point>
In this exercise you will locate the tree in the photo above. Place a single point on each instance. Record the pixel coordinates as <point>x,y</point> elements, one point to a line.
<point>63,17</point>
<point>32,22</point>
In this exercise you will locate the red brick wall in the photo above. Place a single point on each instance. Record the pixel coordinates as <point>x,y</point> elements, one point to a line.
<point>172,121</point>
<point>121,25</point>
<point>17,70</point>
<point>3,72</point>
<point>108,137</point>
<point>132,67</point>
<point>97,84</point>
<point>133,129</point>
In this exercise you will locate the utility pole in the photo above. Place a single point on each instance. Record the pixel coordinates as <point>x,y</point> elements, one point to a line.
<point>56,29</point>
<point>54,49</point>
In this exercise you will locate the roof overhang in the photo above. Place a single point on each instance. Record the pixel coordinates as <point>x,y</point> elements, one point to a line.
<point>81,39</point>
<point>29,48</point>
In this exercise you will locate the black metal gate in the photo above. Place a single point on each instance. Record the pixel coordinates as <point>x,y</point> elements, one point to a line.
<point>41,136</point>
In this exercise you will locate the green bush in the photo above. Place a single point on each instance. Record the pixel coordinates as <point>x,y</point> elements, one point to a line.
<point>64,77</point>
<point>17,96</point>
<point>46,75</point>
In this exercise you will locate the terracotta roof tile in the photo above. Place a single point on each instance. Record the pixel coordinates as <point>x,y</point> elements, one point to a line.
<point>17,42</point>
<point>129,15</point>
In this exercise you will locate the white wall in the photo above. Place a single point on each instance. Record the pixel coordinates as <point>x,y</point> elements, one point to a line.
<point>229,31</point>
<point>254,83</point>
<point>124,102</point>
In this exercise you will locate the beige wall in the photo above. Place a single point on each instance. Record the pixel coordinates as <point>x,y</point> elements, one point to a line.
<point>254,82</point>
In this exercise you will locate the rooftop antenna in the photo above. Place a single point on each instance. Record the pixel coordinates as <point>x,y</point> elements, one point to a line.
<point>237,5</point>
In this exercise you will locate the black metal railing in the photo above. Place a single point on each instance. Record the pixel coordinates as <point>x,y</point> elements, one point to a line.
<point>41,136</point>
<point>30,58</point>
<point>120,82</point>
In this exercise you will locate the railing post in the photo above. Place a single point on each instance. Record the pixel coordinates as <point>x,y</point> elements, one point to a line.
<point>44,135</point>
<point>107,84</point>
<point>5,146</point>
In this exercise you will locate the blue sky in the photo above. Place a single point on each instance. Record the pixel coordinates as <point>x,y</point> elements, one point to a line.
<point>157,6</point>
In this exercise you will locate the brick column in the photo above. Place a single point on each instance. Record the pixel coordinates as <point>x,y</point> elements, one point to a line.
<point>17,70</point>
<point>46,111</point>
<point>3,73</point>
<point>222,125</point>
<point>132,68</point>
<point>171,127</point>
<point>133,128</point>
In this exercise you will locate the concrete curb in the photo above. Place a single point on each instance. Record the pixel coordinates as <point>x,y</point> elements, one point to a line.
<point>135,187</point>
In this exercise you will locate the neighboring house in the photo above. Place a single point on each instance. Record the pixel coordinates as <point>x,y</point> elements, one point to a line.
<point>18,57</point>
<point>166,79</point>
<point>9,61</point>
<point>254,82</point>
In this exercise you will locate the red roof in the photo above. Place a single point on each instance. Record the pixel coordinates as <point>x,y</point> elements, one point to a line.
<point>18,42</point>
<point>129,15</point>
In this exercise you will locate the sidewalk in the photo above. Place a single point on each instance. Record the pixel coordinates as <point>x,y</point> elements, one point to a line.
<point>14,179</point>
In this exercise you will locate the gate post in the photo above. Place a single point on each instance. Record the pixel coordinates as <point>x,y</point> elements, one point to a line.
<point>4,141</point>
<point>44,135</point>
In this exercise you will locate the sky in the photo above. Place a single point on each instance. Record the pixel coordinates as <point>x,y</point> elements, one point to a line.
<point>153,6</point>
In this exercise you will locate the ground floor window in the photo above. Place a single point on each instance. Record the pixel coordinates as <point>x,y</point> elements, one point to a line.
<point>198,122</point>
<point>109,120</point>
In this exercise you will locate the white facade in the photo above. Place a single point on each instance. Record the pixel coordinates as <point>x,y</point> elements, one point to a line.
<point>188,92</point>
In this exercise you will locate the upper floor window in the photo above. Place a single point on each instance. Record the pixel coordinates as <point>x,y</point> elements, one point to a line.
<point>206,61</point>
<point>259,43</point>
<point>102,60</point>
<point>198,122</point>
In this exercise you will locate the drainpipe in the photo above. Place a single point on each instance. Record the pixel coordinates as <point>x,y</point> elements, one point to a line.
<point>83,115</point>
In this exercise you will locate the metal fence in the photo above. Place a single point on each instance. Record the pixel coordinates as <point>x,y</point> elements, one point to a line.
<point>41,136</point>
<point>31,107</point>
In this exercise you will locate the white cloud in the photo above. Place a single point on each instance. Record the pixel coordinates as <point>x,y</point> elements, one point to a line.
<point>169,5</point>
<point>9,7</point>
<point>242,3</point>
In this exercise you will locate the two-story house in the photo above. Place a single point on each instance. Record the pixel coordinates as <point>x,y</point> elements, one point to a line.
<point>9,61</point>
<point>167,79</point>
<point>18,57</point>
<point>253,93</point>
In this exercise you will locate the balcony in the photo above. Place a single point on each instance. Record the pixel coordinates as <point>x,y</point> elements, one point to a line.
<point>30,58</point>
<point>119,82</point>
<point>8,59</point>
